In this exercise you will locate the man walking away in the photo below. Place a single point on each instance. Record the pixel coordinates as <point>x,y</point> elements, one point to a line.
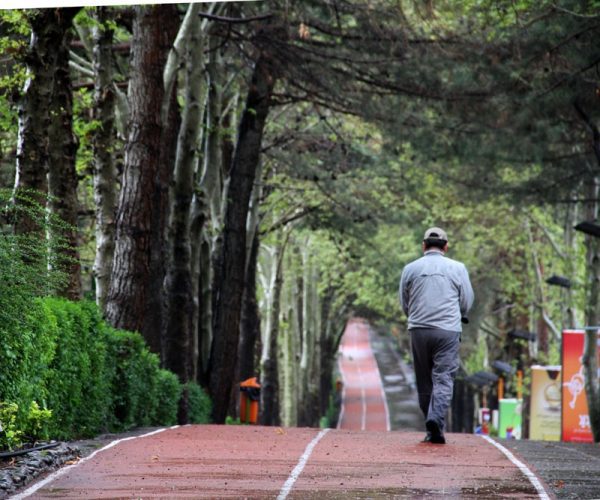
<point>436,294</point>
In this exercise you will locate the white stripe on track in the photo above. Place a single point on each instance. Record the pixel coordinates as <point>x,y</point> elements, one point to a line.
<point>522,467</point>
<point>287,487</point>
<point>388,426</point>
<point>31,490</point>
<point>342,406</point>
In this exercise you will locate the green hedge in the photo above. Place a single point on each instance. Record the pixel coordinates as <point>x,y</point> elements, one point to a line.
<point>92,377</point>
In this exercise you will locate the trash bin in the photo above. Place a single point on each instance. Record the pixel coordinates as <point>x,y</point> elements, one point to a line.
<point>249,401</point>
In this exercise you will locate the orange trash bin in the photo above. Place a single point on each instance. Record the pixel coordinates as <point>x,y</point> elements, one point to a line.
<point>249,401</point>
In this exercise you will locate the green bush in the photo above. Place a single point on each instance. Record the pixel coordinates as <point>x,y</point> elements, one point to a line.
<point>133,379</point>
<point>86,376</point>
<point>77,381</point>
<point>167,396</point>
<point>199,404</point>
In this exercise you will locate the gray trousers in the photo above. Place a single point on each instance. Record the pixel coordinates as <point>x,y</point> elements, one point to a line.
<point>435,357</point>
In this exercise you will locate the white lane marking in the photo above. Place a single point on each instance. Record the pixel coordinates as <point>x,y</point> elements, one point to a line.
<point>363,399</point>
<point>361,381</point>
<point>522,467</point>
<point>388,426</point>
<point>342,407</point>
<point>64,470</point>
<point>287,487</point>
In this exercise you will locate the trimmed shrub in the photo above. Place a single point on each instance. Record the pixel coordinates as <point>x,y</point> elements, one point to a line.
<point>168,393</point>
<point>77,381</point>
<point>92,377</point>
<point>199,404</point>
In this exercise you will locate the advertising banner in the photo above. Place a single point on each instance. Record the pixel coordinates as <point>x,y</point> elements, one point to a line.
<point>575,415</point>
<point>509,420</point>
<point>544,418</point>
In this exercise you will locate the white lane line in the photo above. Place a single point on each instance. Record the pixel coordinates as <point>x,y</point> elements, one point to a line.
<point>363,399</point>
<point>522,467</point>
<point>388,426</point>
<point>361,381</point>
<point>287,487</point>
<point>68,468</point>
<point>342,407</point>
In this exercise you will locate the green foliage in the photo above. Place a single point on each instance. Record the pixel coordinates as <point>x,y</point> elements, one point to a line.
<point>199,404</point>
<point>38,420</point>
<point>88,377</point>
<point>78,381</point>
<point>143,394</point>
<point>10,435</point>
<point>168,393</point>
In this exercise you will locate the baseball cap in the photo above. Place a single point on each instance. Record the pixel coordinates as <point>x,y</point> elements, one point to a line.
<point>437,233</point>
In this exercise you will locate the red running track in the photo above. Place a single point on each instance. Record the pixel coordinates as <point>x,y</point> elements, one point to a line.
<point>237,462</point>
<point>364,407</point>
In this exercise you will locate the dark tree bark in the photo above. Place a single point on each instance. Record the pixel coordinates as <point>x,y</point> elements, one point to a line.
<point>178,352</point>
<point>250,321</point>
<point>155,313</point>
<point>104,169</point>
<point>231,263</point>
<point>135,237</point>
<point>48,29</point>
<point>62,175</point>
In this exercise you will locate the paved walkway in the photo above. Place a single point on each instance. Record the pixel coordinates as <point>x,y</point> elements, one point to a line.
<point>364,405</point>
<point>361,460</point>
<point>211,461</point>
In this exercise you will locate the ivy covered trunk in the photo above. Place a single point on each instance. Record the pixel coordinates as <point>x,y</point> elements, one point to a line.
<point>62,175</point>
<point>231,261</point>
<point>104,168</point>
<point>48,30</point>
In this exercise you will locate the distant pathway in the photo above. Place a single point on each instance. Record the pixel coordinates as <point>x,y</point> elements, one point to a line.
<point>364,406</point>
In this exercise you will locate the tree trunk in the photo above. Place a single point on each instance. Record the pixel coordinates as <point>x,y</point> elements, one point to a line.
<point>272,286</point>
<point>592,315</point>
<point>48,28</point>
<point>291,346</point>
<point>134,244</point>
<point>232,259</point>
<point>62,176</point>
<point>250,322</point>
<point>104,168</point>
<point>179,289</point>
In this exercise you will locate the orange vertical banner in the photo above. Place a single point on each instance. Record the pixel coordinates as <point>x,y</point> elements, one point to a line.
<point>575,414</point>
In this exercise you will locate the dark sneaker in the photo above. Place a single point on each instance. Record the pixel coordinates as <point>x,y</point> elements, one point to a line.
<point>427,438</point>
<point>437,436</point>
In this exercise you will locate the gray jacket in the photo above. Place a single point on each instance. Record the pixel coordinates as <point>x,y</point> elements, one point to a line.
<point>435,292</point>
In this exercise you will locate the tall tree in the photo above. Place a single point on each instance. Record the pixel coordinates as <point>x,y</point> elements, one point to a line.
<point>105,174</point>
<point>49,27</point>
<point>178,351</point>
<point>131,276</point>
<point>62,175</point>
<point>231,263</point>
